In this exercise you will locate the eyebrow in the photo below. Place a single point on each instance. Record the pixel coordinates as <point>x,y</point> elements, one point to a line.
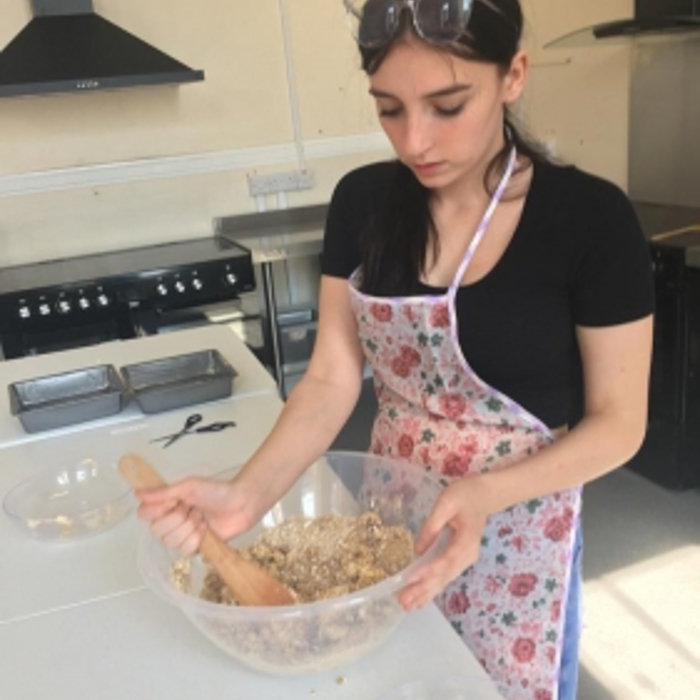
<point>452,90</point>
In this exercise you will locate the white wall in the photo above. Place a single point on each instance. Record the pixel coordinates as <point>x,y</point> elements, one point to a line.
<point>178,157</point>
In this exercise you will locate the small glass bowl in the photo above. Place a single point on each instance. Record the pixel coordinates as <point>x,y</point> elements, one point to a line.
<point>69,501</point>
<point>440,688</point>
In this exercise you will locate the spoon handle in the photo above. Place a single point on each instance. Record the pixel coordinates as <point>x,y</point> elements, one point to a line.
<point>139,473</point>
<point>248,582</point>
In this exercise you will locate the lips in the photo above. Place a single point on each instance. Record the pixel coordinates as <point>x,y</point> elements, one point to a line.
<point>427,168</point>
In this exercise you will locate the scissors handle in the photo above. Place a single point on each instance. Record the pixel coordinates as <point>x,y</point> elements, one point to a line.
<point>192,421</point>
<point>216,427</point>
<point>189,424</point>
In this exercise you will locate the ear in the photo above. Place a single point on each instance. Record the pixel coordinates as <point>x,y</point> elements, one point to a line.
<point>516,77</point>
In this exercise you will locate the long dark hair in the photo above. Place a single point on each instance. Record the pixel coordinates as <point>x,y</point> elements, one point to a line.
<point>393,245</point>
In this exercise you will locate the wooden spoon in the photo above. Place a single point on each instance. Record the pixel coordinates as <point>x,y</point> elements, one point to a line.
<point>249,584</point>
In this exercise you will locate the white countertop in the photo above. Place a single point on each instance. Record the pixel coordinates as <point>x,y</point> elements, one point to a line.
<point>75,618</point>
<point>107,561</point>
<point>137,647</point>
<point>252,376</point>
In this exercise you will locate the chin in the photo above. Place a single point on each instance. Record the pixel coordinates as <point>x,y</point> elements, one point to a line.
<point>436,181</point>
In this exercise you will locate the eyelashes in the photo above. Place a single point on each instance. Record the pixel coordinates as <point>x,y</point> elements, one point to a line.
<point>441,112</point>
<point>453,112</point>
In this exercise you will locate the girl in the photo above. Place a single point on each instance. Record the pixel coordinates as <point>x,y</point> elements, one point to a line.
<point>505,306</point>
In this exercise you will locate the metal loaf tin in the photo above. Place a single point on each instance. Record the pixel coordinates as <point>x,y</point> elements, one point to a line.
<point>173,382</point>
<point>58,400</point>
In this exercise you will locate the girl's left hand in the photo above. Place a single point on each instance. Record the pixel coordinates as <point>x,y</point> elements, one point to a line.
<point>461,506</point>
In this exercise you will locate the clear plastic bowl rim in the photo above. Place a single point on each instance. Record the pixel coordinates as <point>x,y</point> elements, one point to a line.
<point>44,474</point>
<point>196,605</point>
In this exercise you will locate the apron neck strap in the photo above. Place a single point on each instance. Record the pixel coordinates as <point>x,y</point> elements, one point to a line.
<point>483,225</point>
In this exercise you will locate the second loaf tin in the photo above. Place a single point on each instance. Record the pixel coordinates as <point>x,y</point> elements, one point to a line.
<point>183,380</point>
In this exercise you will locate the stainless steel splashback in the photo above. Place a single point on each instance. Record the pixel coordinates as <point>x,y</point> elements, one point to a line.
<point>664,158</point>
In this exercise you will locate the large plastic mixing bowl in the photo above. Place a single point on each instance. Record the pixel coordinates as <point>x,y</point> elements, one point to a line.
<point>313,637</point>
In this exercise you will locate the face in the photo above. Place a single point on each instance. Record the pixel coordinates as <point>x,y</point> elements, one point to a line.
<point>443,114</point>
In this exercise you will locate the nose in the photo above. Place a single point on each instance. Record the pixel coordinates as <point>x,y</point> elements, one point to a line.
<point>417,136</point>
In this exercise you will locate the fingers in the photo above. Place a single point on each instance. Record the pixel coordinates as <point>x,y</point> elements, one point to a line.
<point>157,503</point>
<point>175,512</point>
<point>427,583</point>
<point>180,529</point>
<point>462,552</point>
<point>179,491</point>
<point>438,519</point>
<point>427,536</point>
<point>411,598</point>
<point>191,545</point>
<point>149,513</point>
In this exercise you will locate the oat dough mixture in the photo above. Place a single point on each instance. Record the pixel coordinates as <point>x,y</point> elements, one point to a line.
<point>324,557</point>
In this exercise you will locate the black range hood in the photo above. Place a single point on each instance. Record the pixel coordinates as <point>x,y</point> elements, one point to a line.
<point>67,47</point>
<point>652,18</point>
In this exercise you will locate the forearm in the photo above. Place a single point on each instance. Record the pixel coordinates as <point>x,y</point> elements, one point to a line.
<point>596,446</point>
<point>311,419</point>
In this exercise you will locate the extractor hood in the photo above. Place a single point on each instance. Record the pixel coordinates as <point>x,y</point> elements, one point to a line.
<point>671,19</point>
<point>67,47</point>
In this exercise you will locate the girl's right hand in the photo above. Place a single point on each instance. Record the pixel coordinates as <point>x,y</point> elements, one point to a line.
<point>179,514</point>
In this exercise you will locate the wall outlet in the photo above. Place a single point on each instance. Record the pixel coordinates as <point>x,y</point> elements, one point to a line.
<point>280,182</point>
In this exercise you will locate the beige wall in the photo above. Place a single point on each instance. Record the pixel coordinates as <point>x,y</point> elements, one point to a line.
<point>578,99</point>
<point>582,105</point>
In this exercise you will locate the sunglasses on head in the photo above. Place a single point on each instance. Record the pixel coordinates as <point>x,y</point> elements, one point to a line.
<point>374,23</point>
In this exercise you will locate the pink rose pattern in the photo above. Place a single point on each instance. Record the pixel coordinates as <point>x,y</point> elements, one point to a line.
<point>458,603</point>
<point>406,446</point>
<point>382,312</point>
<point>435,412</point>
<point>440,316</point>
<point>522,585</point>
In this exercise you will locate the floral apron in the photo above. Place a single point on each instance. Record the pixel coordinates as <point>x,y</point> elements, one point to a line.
<point>437,413</point>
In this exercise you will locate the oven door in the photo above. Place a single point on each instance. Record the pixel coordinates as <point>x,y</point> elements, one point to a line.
<point>17,344</point>
<point>670,455</point>
<point>242,315</point>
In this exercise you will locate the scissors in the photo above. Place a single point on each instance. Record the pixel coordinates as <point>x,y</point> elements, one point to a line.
<point>187,429</point>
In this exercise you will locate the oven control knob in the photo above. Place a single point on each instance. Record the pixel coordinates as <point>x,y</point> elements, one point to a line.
<point>197,283</point>
<point>162,290</point>
<point>103,300</point>
<point>231,278</point>
<point>179,286</point>
<point>44,309</point>
<point>24,312</point>
<point>63,306</point>
<point>84,303</point>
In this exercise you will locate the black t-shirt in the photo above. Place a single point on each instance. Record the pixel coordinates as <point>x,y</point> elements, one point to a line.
<point>577,258</point>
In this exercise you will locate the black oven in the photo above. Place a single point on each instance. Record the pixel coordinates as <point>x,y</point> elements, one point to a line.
<point>74,302</point>
<point>670,455</point>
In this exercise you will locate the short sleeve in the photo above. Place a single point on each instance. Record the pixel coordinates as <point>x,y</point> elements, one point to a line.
<point>341,250</point>
<point>613,280</point>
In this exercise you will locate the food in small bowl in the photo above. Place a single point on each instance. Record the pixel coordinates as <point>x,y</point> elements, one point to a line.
<point>69,501</point>
<point>378,498</point>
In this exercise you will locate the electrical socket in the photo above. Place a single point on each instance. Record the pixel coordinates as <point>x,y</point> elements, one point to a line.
<point>280,182</point>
